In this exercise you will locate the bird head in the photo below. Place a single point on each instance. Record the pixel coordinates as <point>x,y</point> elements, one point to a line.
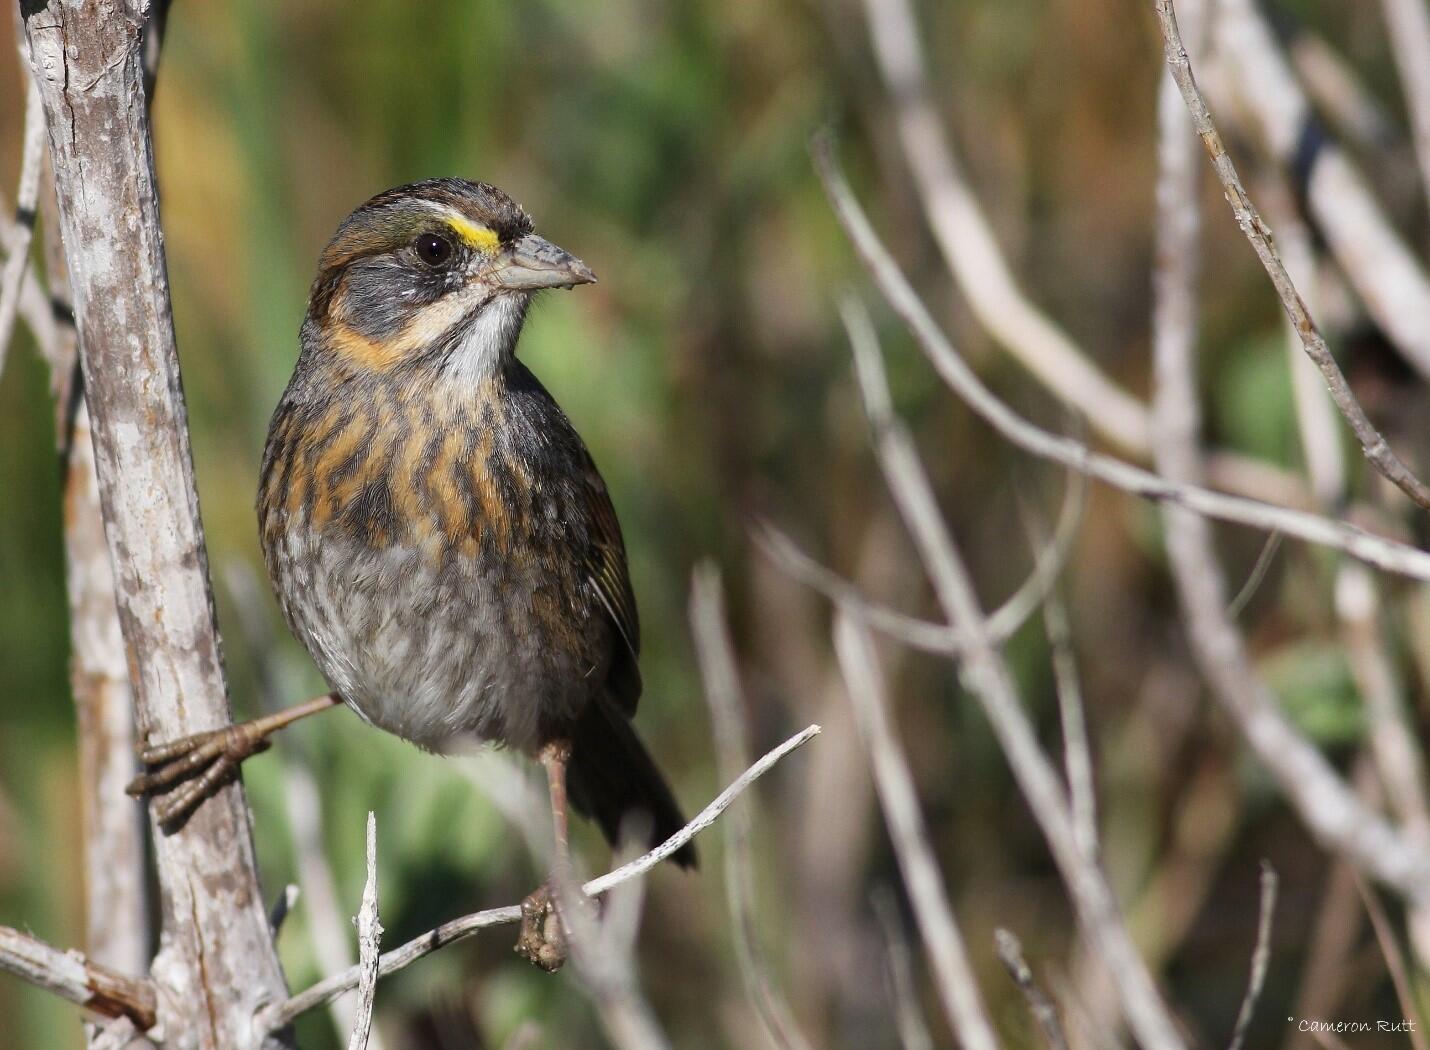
<point>433,274</point>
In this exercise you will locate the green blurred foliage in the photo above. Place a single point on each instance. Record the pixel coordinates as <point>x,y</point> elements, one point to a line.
<point>665,143</point>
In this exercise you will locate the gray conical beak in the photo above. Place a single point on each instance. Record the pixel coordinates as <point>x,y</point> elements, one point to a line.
<point>534,262</point>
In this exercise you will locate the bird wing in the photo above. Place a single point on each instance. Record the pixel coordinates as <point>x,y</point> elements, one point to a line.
<point>610,581</point>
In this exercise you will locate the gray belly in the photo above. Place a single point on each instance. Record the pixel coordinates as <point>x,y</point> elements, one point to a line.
<point>433,648</point>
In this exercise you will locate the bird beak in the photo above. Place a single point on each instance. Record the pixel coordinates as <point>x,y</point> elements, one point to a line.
<point>533,263</point>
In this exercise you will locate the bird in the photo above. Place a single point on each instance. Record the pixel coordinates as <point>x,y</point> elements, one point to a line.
<point>437,535</point>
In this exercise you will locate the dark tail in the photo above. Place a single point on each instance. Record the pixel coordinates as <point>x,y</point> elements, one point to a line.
<point>611,774</point>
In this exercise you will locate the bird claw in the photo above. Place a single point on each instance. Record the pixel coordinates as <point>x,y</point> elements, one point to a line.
<point>205,760</point>
<point>542,941</point>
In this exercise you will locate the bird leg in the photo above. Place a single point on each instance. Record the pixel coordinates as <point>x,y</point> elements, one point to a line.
<point>210,758</point>
<point>542,940</point>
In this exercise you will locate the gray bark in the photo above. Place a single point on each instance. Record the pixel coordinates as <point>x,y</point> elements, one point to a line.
<point>216,965</point>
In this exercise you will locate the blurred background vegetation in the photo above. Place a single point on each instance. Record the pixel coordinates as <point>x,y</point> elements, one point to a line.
<point>666,144</point>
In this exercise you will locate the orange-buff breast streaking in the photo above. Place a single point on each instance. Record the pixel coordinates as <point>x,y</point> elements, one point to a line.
<point>438,537</point>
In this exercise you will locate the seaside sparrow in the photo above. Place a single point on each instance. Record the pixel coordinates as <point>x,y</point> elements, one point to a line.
<point>438,537</point>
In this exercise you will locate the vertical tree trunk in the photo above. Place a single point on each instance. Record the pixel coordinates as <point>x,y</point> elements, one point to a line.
<point>216,964</point>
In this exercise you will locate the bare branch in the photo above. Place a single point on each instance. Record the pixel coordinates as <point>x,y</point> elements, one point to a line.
<point>1382,269</point>
<point>216,961</point>
<point>1374,550</point>
<point>722,692</point>
<point>27,201</point>
<point>369,943</point>
<point>1326,804</point>
<point>1339,93</point>
<point>1394,961</point>
<point>603,952</point>
<point>1077,754</point>
<point>1376,450</point>
<point>971,251</point>
<point>284,1011</point>
<point>943,943</point>
<point>908,1017</point>
<point>1408,22</point>
<point>1044,1012</point>
<point>72,976</point>
<point>1260,956</point>
<point>1051,559</point>
<point>987,676</point>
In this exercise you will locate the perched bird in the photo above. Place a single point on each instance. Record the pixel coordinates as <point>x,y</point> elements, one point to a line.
<point>437,535</point>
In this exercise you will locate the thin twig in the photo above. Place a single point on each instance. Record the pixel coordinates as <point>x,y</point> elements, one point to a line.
<point>989,678</point>
<point>369,943</point>
<point>27,201</point>
<point>1326,804</point>
<point>72,976</point>
<point>603,953</point>
<point>1006,621</point>
<point>1077,752</point>
<point>1394,961</point>
<point>1379,265</point>
<point>722,692</point>
<point>1256,577</point>
<point>1408,22</point>
<point>280,1014</point>
<point>908,1017</point>
<point>1385,554</point>
<point>1260,956</point>
<point>1376,450</point>
<point>943,943</point>
<point>971,251</point>
<point>1044,1012</point>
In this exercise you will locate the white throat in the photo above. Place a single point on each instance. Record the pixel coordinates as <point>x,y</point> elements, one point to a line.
<point>489,340</point>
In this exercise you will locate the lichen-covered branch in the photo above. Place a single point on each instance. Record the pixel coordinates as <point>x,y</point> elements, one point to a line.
<point>72,976</point>
<point>216,965</point>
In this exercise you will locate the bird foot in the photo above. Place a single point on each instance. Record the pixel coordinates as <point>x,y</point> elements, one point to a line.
<point>542,941</point>
<point>205,760</point>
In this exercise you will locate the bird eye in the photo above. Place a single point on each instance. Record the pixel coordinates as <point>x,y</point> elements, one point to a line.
<point>433,250</point>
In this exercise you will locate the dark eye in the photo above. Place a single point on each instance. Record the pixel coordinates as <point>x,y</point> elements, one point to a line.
<point>433,250</point>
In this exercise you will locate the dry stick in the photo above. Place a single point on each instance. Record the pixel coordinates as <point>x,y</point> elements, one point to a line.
<point>282,1013</point>
<point>328,928</point>
<point>1394,961</point>
<point>603,953</point>
<point>971,251</point>
<point>1255,577</point>
<point>27,200</point>
<point>986,674</point>
<point>216,964</point>
<point>1328,807</point>
<point>72,976</point>
<point>722,692</point>
<point>116,913</point>
<point>943,943</point>
<point>1316,423</point>
<point>1260,956</point>
<point>908,1017</point>
<point>1077,753</point>
<point>369,943</point>
<point>1006,621</point>
<point>1398,757</point>
<point>1408,22</point>
<point>1382,269</point>
<point>1375,550</point>
<point>1044,1012</point>
<point>1339,92</point>
<point>1380,454</point>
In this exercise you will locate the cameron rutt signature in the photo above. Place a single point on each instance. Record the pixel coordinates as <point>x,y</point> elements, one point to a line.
<point>1317,1024</point>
